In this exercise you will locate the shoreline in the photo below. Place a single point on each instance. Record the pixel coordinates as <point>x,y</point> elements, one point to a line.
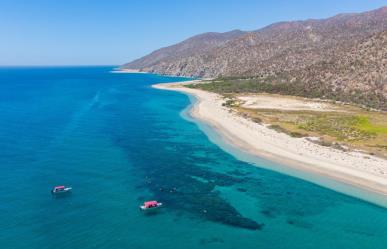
<point>363,172</point>
<point>129,71</point>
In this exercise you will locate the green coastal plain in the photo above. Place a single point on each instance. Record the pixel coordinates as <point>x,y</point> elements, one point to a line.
<point>348,127</point>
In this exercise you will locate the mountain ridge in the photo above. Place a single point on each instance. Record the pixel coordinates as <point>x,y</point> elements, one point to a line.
<point>205,40</point>
<point>286,52</point>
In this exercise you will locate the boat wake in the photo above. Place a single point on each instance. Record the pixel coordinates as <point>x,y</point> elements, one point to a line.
<point>72,125</point>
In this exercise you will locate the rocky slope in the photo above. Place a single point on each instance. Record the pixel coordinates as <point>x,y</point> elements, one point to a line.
<point>360,73</point>
<point>345,53</point>
<point>195,45</point>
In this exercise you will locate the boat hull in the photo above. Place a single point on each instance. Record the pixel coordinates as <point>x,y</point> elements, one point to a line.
<point>61,192</point>
<point>159,205</point>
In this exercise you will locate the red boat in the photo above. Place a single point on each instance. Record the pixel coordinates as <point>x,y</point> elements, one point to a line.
<point>60,190</point>
<point>151,205</point>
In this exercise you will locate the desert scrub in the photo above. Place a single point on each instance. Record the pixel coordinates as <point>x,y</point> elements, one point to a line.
<point>296,134</point>
<point>230,103</point>
<point>256,120</point>
<point>326,143</point>
<point>277,128</point>
<point>280,85</point>
<point>283,130</point>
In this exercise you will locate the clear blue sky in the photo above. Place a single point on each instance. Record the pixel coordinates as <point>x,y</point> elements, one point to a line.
<point>80,32</point>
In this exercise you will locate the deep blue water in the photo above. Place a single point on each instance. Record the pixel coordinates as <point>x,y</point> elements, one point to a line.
<point>118,142</point>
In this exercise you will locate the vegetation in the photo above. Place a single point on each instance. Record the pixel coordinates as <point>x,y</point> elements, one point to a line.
<point>348,127</point>
<point>283,130</point>
<point>342,127</point>
<point>234,85</point>
<point>230,103</point>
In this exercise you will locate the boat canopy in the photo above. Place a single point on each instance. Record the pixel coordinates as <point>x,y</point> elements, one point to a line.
<point>150,203</point>
<point>59,187</point>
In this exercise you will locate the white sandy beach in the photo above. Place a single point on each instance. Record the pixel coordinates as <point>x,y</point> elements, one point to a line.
<point>357,169</point>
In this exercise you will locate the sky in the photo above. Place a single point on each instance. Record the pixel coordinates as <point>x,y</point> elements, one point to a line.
<point>80,32</point>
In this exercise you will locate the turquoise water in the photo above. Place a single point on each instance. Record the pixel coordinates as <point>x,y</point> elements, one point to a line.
<point>119,142</point>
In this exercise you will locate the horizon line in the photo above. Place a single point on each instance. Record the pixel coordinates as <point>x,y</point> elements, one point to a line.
<point>64,65</point>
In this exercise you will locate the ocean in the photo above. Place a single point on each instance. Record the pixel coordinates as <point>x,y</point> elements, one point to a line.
<point>119,142</point>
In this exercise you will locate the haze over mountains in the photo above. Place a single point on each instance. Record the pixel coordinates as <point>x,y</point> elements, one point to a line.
<point>347,52</point>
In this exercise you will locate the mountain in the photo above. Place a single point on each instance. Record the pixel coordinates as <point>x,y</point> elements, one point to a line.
<point>360,73</point>
<point>346,53</point>
<point>198,44</point>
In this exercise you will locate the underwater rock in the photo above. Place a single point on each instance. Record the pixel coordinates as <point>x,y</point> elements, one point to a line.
<point>268,213</point>
<point>242,190</point>
<point>299,223</point>
<point>182,183</point>
<point>211,240</point>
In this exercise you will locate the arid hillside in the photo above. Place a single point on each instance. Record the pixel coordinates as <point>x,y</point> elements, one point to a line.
<point>342,57</point>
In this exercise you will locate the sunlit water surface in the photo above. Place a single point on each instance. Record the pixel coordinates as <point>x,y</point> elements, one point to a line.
<point>119,142</point>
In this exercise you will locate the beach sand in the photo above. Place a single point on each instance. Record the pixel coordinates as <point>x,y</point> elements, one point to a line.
<point>354,168</point>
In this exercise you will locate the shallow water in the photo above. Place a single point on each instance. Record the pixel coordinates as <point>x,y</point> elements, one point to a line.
<point>119,142</point>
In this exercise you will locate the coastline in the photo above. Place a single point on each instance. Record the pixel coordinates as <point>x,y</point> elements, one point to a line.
<point>366,173</point>
<point>126,71</point>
